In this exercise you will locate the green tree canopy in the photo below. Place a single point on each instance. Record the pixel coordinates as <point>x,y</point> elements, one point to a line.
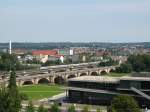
<point>10,100</point>
<point>4,100</point>
<point>140,62</point>
<point>124,68</point>
<point>8,61</point>
<point>110,62</point>
<point>12,80</point>
<point>124,103</point>
<point>14,97</point>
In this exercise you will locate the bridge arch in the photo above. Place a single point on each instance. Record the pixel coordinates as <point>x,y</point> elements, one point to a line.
<point>71,76</point>
<point>27,82</point>
<point>59,80</point>
<point>103,72</point>
<point>83,74</point>
<point>43,81</point>
<point>94,74</point>
<point>111,70</point>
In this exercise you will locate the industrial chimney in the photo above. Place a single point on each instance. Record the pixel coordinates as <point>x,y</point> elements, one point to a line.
<point>10,47</point>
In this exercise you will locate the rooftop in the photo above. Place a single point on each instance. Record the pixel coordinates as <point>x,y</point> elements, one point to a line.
<point>45,52</point>
<point>135,78</point>
<point>105,79</point>
<point>108,79</point>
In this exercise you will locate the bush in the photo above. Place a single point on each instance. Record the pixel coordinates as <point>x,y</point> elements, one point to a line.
<point>124,103</point>
<point>124,68</point>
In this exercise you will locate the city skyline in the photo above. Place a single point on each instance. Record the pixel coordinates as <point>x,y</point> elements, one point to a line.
<point>75,21</point>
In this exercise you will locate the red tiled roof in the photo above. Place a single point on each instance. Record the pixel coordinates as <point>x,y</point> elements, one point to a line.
<point>45,52</point>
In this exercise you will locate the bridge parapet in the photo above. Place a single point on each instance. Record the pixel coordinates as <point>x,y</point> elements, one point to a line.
<point>64,75</point>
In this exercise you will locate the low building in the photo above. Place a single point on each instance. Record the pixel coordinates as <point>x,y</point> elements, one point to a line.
<point>121,59</point>
<point>56,57</point>
<point>43,55</point>
<point>80,50</point>
<point>45,52</point>
<point>100,90</point>
<point>65,52</point>
<point>19,51</point>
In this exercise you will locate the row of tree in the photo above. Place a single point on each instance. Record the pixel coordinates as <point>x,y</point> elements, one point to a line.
<point>8,61</point>
<point>137,63</point>
<point>54,108</point>
<point>120,103</point>
<point>124,68</point>
<point>110,62</point>
<point>140,63</point>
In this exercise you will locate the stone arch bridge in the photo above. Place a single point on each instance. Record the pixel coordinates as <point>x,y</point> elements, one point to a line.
<point>62,77</point>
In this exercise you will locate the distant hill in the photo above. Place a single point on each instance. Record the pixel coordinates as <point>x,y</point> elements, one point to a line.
<point>52,45</point>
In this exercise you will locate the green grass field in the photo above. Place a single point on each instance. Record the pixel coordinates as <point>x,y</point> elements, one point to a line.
<point>118,74</point>
<point>35,92</point>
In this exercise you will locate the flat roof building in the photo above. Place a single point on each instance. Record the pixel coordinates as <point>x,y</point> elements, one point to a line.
<point>100,90</point>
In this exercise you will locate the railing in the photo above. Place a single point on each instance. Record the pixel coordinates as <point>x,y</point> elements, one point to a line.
<point>140,93</point>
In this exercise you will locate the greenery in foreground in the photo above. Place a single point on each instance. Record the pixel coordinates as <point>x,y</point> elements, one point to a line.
<point>10,98</point>
<point>137,63</point>
<point>124,103</point>
<point>35,92</point>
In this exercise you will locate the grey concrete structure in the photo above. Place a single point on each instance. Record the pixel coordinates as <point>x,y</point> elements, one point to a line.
<point>61,77</point>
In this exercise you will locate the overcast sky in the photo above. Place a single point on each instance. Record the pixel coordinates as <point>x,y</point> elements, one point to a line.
<point>75,20</point>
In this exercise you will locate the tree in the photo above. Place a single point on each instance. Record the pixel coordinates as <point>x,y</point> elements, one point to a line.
<point>124,103</point>
<point>42,109</point>
<point>4,100</point>
<point>12,80</point>
<point>10,60</point>
<point>54,108</point>
<point>14,97</point>
<point>124,68</point>
<point>109,62</point>
<point>10,100</point>
<point>30,107</point>
<point>71,109</point>
<point>140,62</point>
<point>7,60</point>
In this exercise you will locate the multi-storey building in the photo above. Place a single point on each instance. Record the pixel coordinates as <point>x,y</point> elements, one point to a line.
<point>100,90</point>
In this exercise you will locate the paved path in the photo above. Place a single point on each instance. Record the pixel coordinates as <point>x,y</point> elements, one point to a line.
<point>78,108</point>
<point>64,107</point>
<point>56,97</point>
